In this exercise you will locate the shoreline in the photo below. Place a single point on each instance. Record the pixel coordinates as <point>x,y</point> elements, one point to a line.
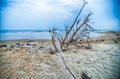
<point>32,59</point>
<point>46,35</point>
<point>37,35</point>
<point>101,37</point>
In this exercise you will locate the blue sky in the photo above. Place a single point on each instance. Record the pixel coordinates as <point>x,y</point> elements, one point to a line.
<point>45,14</point>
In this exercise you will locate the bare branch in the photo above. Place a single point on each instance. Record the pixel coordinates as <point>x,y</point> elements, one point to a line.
<point>90,26</point>
<point>67,33</point>
<point>84,22</point>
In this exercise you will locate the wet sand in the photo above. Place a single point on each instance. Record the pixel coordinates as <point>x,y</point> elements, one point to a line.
<point>31,59</point>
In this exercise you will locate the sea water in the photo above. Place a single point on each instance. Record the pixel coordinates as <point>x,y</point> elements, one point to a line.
<point>32,34</point>
<point>24,34</point>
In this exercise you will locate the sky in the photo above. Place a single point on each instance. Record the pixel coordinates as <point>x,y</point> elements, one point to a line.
<point>46,14</point>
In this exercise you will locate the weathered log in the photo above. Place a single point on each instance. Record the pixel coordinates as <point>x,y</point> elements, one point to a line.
<point>54,44</point>
<point>59,50</point>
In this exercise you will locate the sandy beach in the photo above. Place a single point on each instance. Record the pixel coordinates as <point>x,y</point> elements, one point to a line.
<point>31,59</point>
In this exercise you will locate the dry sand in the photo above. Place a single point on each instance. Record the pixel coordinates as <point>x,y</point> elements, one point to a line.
<point>31,59</point>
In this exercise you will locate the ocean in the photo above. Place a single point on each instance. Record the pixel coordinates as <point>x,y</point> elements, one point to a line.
<point>24,34</point>
<point>32,34</point>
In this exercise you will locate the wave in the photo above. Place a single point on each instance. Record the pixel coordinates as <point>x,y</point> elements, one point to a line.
<point>25,35</point>
<point>21,31</point>
<point>33,34</point>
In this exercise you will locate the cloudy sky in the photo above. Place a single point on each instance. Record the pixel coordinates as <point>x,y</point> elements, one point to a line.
<point>45,14</point>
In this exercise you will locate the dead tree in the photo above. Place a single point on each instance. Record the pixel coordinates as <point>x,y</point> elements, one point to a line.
<point>79,36</point>
<point>76,36</point>
<point>68,31</point>
<point>76,31</point>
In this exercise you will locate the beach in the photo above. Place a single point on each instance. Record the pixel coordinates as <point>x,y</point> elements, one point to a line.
<point>32,59</point>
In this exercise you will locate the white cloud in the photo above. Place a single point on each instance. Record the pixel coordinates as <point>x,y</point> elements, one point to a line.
<point>31,14</point>
<point>28,12</point>
<point>62,8</point>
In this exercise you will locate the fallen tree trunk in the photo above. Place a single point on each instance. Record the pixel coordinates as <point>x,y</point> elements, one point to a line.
<point>78,36</point>
<point>59,50</point>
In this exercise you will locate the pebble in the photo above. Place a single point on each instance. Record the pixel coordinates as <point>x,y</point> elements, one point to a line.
<point>17,43</point>
<point>41,47</point>
<point>116,41</point>
<point>12,46</point>
<point>34,45</point>
<point>3,45</point>
<point>28,44</point>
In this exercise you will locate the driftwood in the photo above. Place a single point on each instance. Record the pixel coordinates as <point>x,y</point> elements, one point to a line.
<point>58,49</point>
<point>68,31</point>
<point>74,34</point>
<point>83,29</point>
<point>79,37</point>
